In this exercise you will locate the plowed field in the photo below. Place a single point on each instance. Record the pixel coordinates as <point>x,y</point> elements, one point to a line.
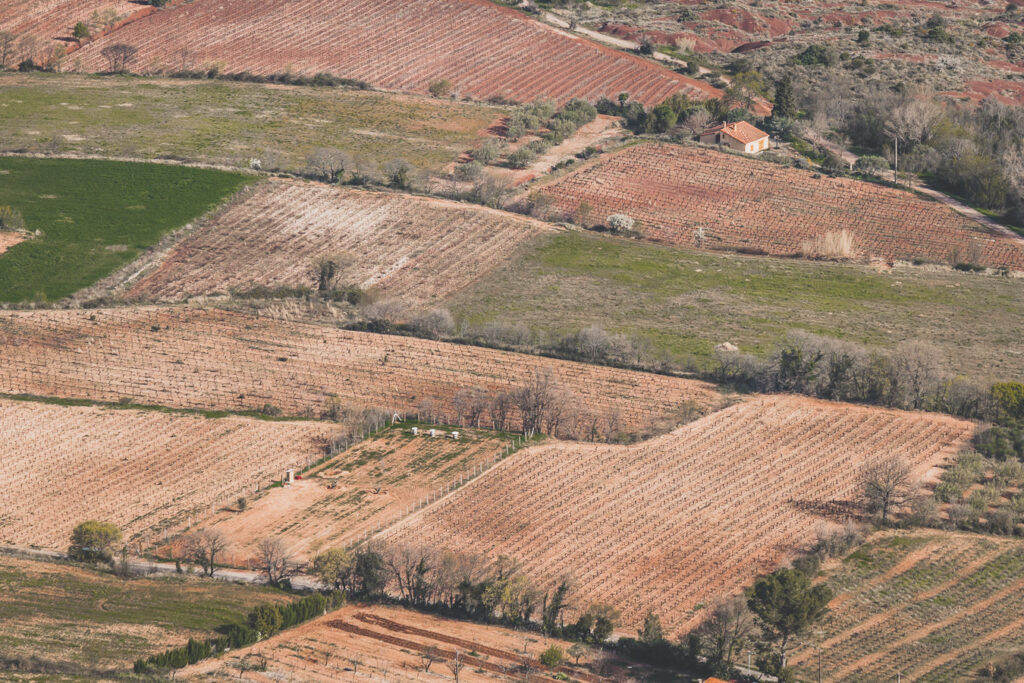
<point>743,203</point>
<point>213,359</point>
<point>416,248</point>
<point>138,469</point>
<point>485,51</point>
<point>384,644</point>
<point>53,20</point>
<point>932,605</point>
<point>684,519</point>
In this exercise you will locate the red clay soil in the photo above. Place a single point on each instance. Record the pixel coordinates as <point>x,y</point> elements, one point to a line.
<point>189,357</point>
<point>484,50</point>
<point>681,521</point>
<point>746,204</point>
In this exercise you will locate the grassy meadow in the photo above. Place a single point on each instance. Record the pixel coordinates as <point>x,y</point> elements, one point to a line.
<point>95,216</point>
<point>228,123</point>
<point>684,302</point>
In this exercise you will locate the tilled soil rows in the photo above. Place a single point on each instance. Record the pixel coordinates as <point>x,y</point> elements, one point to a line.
<point>685,519</point>
<point>673,191</point>
<point>417,248</point>
<point>189,357</point>
<point>483,50</point>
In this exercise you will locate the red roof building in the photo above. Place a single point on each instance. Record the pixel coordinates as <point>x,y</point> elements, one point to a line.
<point>740,136</point>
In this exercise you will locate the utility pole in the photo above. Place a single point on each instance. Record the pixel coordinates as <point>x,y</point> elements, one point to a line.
<point>818,648</point>
<point>896,165</point>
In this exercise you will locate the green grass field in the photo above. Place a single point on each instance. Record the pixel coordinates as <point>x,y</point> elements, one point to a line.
<point>230,123</point>
<point>684,302</point>
<point>94,217</point>
<point>91,623</point>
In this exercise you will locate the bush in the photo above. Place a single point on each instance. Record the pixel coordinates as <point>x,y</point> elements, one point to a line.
<point>522,157</point>
<point>441,88</point>
<point>489,151</point>
<point>91,541</point>
<point>619,222</point>
<point>552,657</point>
<point>398,173</point>
<point>80,31</point>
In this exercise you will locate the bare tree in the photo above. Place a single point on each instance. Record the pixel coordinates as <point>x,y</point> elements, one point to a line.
<point>913,120</point>
<point>428,656</point>
<point>328,164</point>
<point>119,56</point>
<point>274,560</point>
<point>410,568</point>
<point>7,42</point>
<point>723,634</point>
<point>536,399</point>
<point>697,122</point>
<point>328,270</point>
<point>456,665</point>
<point>28,45</point>
<point>203,547</point>
<point>918,369</point>
<point>885,484</point>
<point>501,406</point>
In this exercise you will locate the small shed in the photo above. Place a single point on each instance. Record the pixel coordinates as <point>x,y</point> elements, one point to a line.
<point>741,136</point>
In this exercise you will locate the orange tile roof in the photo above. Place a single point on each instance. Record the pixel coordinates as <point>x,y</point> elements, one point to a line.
<point>741,130</point>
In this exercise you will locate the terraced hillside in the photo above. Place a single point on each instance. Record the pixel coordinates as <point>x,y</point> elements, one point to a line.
<point>678,522</point>
<point>740,203</point>
<point>141,470</point>
<point>50,22</point>
<point>212,359</point>
<point>485,51</point>
<point>935,606</point>
<point>417,248</point>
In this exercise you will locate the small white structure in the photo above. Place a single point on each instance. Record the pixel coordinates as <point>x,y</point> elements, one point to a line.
<point>455,435</point>
<point>740,136</point>
<point>433,432</point>
<point>289,477</point>
<point>415,431</point>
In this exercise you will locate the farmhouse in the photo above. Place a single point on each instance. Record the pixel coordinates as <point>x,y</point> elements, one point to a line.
<point>740,136</point>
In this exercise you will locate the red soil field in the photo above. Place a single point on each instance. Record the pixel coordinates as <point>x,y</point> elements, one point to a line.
<point>386,642</point>
<point>484,50</point>
<point>139,469</point>
<point>747,204</point>
<point>685,519</point>
<point>53,20</point>
<point>185,357</point>
<point>416,248</point>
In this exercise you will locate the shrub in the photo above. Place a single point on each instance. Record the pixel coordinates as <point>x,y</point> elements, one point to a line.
<point>10,219</point>
<point>489,151</point>
<point>91,541</point>
<point>434,323</point>
<point>398,173</point>
<point>80,31</point>
<point>469,171</point>
<point>440,88</point>
<point>552,657</point>
<point>619,222</point>
<point>522,157</point>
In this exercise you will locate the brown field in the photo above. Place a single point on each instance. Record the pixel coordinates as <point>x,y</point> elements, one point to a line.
<point>190,357</point>
<point>932,605</point>
<point>741,203</point>
<point>683,520</point>
<point>142,470</point>
<point>51,21</point>
<point>9,239</point>
<point>416,248</point>
<point>484,50</point>
<point>383,643</point>
<point>375,482</point>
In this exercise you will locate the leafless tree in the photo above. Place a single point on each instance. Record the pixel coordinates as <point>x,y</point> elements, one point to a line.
<point>428,656</point>
<point>885,484</point>
<point>203,547</point>
<point>119,56</point>
<point>275,560</point>
<point>913,120</point>
<point>698,121</point>
<point>186,59</point>
<point>535,399</point>
<point>411,568</point>
<point>456,665</point>
<point>28,45</point>
<point>724,633</point>
<point>470,404</point>
<point>328,164</point>
<point>329,268</point>
<point>501,405</point>
<point>918,369</point>
<point>7,42</point>
<point>437,322</point>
